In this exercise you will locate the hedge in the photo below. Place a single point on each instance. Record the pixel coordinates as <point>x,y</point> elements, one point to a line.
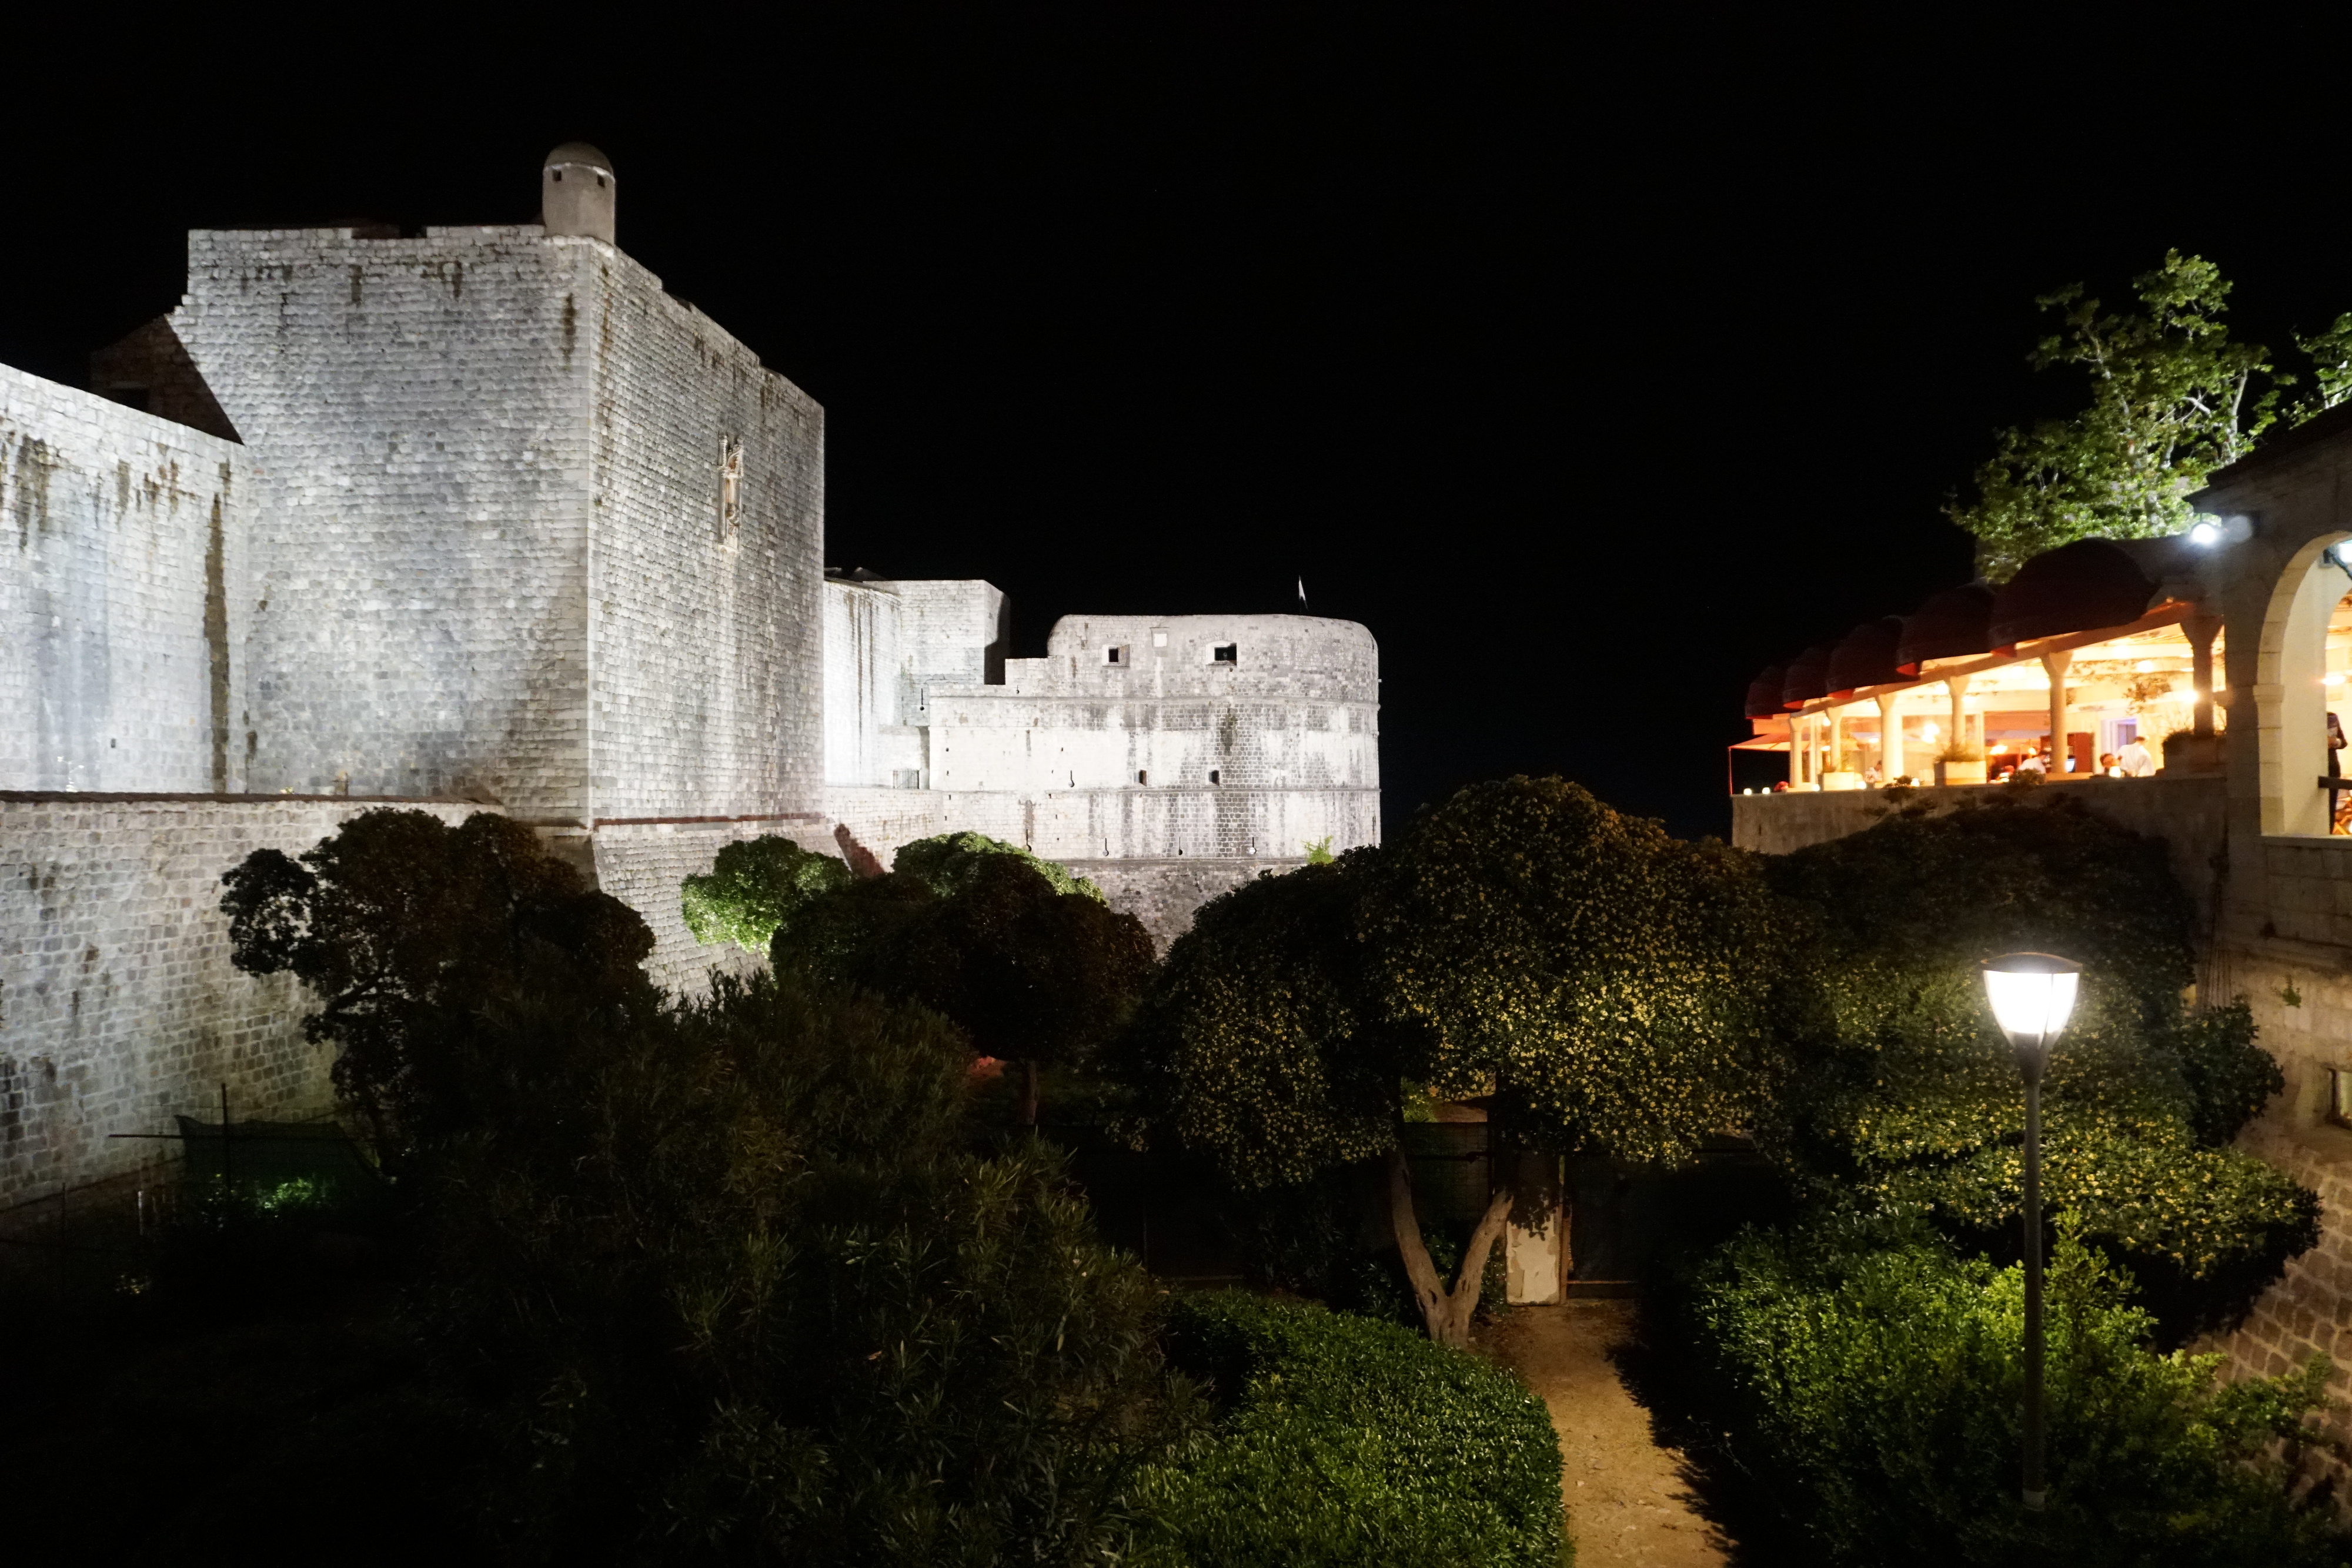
<point>1865,1379</point>
<point>1342,1440</point>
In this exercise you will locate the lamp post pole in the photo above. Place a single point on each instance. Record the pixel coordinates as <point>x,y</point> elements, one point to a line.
<point>2032,994</point>
<point>2037,1489</point>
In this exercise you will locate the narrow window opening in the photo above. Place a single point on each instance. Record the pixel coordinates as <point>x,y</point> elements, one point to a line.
<point>1111,655</point>
<point>2339,1096</point>
<point>1141,777</point>
<point>1213,776</point>
<point>1226,653</point>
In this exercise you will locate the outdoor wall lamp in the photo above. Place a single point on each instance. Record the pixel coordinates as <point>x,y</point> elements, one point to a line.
<point>2209,530</point>
<point>2032,995</point>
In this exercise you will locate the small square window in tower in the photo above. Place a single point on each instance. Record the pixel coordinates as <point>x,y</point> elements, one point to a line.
<point>730,486</point>
<point>1213,776</point>
<point>1226,653</point>
<point>1117,654</point>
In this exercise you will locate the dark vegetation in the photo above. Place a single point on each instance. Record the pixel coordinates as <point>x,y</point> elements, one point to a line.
<point>790,1275</point>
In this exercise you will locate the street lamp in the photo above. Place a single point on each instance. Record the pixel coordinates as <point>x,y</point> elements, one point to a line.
<point>2032,995</point>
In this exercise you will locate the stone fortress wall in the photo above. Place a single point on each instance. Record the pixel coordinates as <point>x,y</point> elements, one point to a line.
<point>119,1007</point>
<point>482,517</point>
<point>1173,757</point>
<point>123,595</point>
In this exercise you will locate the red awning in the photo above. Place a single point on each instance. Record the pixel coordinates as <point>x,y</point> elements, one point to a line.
<point>1807,678</point>
<point>1952,625</point>
<point>1866,656</point>
<point>2086,586</point>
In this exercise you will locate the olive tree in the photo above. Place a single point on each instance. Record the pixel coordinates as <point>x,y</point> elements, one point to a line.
<point>1602,983</point>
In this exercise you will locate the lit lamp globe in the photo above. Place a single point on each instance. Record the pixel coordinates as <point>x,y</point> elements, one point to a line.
<point>2033,996</point>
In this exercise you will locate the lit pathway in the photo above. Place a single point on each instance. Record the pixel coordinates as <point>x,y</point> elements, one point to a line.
<point>1627,1502</point>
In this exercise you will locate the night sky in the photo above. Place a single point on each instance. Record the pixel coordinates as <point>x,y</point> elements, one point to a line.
<point>1591,364</point>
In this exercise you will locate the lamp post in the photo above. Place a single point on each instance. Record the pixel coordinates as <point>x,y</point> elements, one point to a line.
<point>2031,996</point>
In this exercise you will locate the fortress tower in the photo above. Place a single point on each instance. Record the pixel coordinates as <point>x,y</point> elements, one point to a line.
<point>483,519</point>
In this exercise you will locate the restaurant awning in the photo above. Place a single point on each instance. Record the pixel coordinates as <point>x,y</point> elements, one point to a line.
<point>2082,587</point>
<point>1952,625</point>
<point>1807,678</point>
<point>1865,656</point>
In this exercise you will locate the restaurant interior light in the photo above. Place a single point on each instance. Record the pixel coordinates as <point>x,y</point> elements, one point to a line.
<point>2033,996</point>
<point>2145,667</point>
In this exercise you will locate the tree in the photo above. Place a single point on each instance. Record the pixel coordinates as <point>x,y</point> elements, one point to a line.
<point>1027,960</point>
<point>1601,981</point>
<point>2171,400</point>
<point>756,885</point>
<point>408,930</point>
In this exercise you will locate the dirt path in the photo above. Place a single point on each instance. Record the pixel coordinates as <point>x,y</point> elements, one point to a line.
<point>1627,1502</point>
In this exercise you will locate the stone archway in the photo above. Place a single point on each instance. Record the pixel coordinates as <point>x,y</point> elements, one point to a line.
<point>2289,691</point>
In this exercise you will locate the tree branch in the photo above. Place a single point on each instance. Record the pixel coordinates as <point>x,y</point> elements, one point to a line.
<point>1428,1294</point>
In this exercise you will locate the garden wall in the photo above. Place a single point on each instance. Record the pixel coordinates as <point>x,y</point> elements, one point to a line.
<point>119,1006</point>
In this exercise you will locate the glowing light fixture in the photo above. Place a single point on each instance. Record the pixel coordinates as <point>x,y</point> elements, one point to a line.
<point>2206,534</point>
<point>2033,996</point>
<point>2145,667</point>
<point>2334,678</point>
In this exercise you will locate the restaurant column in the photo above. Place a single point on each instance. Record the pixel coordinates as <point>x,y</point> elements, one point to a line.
<point>2201,630</point>
<point>2056,663</point>
<point>1959,737</point>
<point>1890,737</point>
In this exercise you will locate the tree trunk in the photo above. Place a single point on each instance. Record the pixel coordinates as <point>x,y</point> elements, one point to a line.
<point>1445,1313</point>
<point>1029,1094</point>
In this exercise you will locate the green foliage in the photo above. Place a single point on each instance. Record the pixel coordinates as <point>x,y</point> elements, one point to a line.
<point>407,930</point>
<point>1259,1045</point>
<point>1868,1379</point>
<point>1897,1090</point>
<point>1345,1441</point>
<point>2171,400</point>
<point>948,864</point>
<point>740,1292</point>
<point>1318,851</point>
<point>755,886</point>
<point>1027,972</point>
<point>1603,978</point>
<point>2230,1078</point>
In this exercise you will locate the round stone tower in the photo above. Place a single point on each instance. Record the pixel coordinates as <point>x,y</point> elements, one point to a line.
<point>575,193</point>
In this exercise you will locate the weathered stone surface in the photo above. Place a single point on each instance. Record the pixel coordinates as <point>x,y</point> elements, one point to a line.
<point>118,1007</point>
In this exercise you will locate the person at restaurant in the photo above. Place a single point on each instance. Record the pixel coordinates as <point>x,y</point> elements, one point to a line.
<point>2136,761</point>
<point>2109,768</point>
<point>2029,763</point>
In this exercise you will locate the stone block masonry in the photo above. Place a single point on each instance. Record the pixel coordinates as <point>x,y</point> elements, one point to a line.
<point>122,593</point>
<point>119,1006</point>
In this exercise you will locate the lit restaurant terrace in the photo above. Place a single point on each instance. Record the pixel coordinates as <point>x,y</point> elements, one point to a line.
<point>2095,660</point>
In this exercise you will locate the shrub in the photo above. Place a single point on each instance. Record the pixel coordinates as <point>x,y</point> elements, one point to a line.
<point>735,1289</point>
<point>755,886</point>
<point>1345,1441</point>
<point>1894,1082</point>
<point>948,863</point>
<point>1867,1378</point>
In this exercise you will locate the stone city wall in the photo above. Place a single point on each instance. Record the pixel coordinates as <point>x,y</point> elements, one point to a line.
<point>118,1007</point>
<point>706,624</point>
<point>122,588</point>
<point>420,412</point>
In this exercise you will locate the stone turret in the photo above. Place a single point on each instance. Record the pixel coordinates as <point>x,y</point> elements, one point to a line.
<point>576,191</point>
